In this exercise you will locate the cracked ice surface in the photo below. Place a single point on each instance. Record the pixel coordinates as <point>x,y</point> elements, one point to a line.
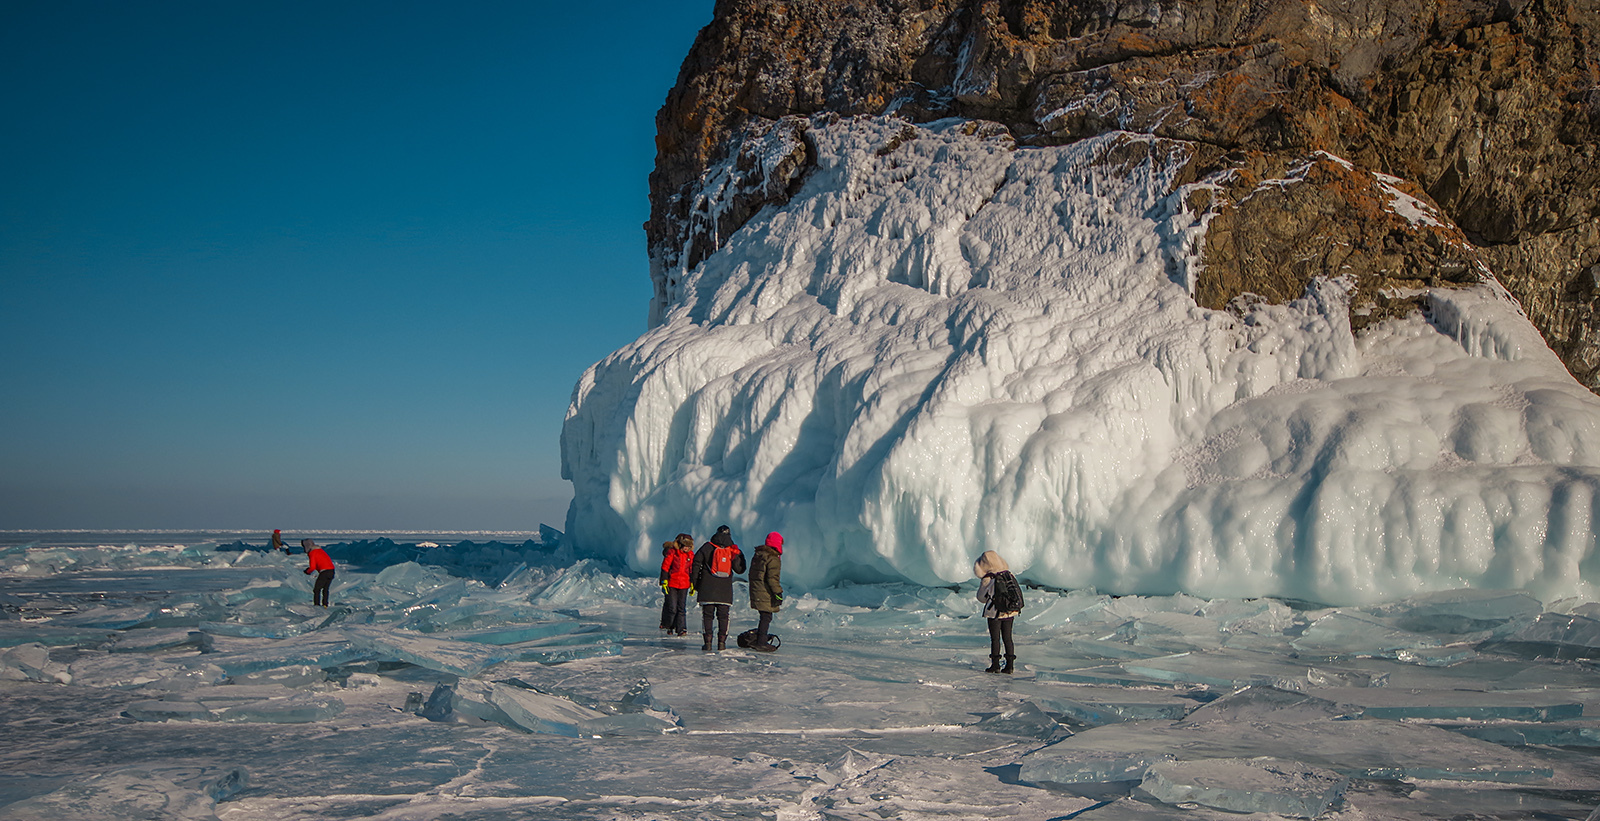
<point>945,343</point>
<point>391,704</point>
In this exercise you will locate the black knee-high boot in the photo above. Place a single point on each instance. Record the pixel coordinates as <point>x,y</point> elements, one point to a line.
<point>994,664</point>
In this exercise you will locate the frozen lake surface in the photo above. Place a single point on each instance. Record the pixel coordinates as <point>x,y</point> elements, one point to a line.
<point>505,680</point>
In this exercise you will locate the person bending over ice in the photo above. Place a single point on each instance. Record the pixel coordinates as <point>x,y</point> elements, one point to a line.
<point>715,565</point>
<point>323,567</point>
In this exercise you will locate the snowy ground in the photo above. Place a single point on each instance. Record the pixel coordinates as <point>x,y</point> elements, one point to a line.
<point>153,681</point>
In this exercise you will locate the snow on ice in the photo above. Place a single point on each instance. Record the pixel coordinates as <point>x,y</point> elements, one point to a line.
<point>943,344</point>
<point>512,681</point>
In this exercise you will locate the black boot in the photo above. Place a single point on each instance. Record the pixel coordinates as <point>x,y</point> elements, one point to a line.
<point>706,645</point>
<point>722,643</point>
<point>994,666</point>
<point>1009,667</point>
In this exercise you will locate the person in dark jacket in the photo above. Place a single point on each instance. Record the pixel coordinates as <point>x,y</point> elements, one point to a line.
<point>677,556</point>
<point>715,565</point>
<point>994,572</point>
<point>766,591</point>
<point>321,565</point>
<point>277,542</point>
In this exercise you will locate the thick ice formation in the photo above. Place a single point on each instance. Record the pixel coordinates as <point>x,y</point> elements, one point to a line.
<point>943,344</point>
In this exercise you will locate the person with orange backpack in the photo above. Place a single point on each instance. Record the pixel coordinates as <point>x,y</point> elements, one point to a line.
<point>715,565</point>
<point>676,558</point>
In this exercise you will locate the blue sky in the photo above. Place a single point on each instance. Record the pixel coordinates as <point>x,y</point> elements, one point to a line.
<point>314,265</point>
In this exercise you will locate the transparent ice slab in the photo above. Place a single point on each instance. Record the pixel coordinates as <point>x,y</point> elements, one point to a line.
<point>32,662</point>
<point>155,641</point>
<point>300,708</point>
<point>1105,708</point>
<point>1559,635</point>
<point>1342,633</point>
<point>1286,788</point>
<point>316,650</point>
<point>1457,705</point>
<point>1457,612</point>
<point>1026,720</point>
<point>1271,705</point>
<point>457,658</point>
<point>1562,734</point>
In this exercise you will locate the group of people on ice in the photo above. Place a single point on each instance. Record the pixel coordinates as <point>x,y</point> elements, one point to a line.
<point>708,574</point>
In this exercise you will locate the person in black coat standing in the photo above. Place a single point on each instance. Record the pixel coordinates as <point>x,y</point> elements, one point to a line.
<point>715,565</point>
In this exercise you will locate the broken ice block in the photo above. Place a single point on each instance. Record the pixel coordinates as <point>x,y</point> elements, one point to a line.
<point>519,633</point>
<point>1025,720</point>
<point>1057,764</point>
<point>1348,634</point>
<point>1395,703</point>
<point>1112,709</point>
<point>1462,611</point>
<point>438,706</point>
<point>11,636</point>
<point>1234,668</point>
<point>542,713</point>
<point>1561,734</point>
<point>31,662</point>
<point>1557,635</point>
<point>167,711</point>
<point>316,651</point>
<point>1270,705</point>
<point>1246,785</point>
<point>457,658</point>
<point>155,641</point>
<point>293,676</point>
<point>301,708</point>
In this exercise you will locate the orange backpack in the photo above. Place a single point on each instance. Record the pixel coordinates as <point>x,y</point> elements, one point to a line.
<point>722,562</point>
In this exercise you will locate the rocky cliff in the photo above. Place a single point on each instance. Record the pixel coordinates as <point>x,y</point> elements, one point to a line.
<point>1486,110</point>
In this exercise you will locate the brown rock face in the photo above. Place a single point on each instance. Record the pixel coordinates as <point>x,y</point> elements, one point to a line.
<point>1485,114</point>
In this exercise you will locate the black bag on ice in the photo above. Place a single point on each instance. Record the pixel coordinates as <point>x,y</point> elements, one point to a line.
<point>747,639</point>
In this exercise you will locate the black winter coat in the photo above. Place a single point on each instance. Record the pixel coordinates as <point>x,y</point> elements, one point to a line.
<point>710,588</point>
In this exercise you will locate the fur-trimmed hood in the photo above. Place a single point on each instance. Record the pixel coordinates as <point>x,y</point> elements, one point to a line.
<point>989,562</point>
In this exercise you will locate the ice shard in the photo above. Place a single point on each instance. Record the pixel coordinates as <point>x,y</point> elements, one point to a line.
<point>1286,788</point>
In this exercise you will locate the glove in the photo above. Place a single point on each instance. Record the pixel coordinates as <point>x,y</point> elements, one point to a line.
<point>777,598</point>
<point>308,571</point>
<point>691,590</point>
<point>663,588</point>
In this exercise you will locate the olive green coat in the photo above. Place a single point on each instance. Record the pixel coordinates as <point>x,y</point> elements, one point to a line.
<point>766,592</point>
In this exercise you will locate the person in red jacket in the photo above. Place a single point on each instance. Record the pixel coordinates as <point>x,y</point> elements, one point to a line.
<point>323,567</point>
<point>676,556</point>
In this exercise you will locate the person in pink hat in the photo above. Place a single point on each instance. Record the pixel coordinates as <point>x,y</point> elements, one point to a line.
<point>766,591</point>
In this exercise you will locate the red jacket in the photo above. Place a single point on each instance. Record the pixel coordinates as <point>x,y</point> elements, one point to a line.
<point>319,560</point>
<point>675,568</point>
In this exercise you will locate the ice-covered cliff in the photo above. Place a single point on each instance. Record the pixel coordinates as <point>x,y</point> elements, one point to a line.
<point>902,339</point>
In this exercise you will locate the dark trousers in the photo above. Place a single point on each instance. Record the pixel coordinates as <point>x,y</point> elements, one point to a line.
<point>761,629</point>
<point>1000,633</point>
<point>673,617</point>
<point>319,590</point>
<point>718,612</point>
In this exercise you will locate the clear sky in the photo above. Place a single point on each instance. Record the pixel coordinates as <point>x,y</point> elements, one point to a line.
<point>316,265</point>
